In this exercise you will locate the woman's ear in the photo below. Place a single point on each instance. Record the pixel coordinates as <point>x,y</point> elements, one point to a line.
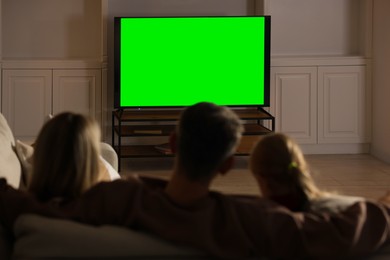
<point>172,141</point>
<point>227,165</point>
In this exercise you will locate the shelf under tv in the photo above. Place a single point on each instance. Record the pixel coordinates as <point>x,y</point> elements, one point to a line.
<point>148,123</point>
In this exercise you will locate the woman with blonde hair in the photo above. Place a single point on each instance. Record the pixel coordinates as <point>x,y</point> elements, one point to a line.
<point>283,175</point>
<point>66,158</point>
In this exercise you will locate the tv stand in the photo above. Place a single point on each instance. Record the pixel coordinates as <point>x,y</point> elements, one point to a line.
<point>161,123</point>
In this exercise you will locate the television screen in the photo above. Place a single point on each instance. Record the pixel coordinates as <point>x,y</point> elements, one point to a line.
<point>179,61</point>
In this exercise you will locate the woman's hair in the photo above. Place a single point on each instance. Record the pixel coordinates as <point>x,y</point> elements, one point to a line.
<point>66,157</point>
<point>279,165</point>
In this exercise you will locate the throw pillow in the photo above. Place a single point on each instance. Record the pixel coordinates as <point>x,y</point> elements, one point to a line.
<point>24,153</point>
<point>108,170</point>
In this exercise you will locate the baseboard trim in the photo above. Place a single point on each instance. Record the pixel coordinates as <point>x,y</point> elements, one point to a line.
<point>335,148</point>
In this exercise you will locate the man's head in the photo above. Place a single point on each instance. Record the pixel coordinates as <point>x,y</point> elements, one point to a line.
<point>207,135</point>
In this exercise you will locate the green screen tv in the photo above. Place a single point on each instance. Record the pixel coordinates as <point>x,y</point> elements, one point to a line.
<point>179,61</point>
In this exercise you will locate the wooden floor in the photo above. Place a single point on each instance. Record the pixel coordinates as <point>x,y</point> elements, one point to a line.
<point>358,175</point>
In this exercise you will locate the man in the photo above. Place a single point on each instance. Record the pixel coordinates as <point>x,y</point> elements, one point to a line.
<point>185,211</point>
<point>204,143</point>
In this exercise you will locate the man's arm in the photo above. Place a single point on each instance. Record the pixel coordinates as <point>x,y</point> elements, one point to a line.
<point>14,203</point>
<point>105,203</point>
<point>358,231</point>
<point>275,231</point>
<point>114,203</point>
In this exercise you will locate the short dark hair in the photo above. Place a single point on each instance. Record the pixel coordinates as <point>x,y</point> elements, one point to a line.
<point>207,135</point>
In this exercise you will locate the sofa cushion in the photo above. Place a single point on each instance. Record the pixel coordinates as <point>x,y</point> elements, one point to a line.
<point>38,237</point>
<point>10,166</point>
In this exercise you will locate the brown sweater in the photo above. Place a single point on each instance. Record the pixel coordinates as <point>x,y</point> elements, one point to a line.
<point>222,225</point>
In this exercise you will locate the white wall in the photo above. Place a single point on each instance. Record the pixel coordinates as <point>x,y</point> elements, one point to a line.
<point>381,81</point>
<point>47,29</point>
<point>316,27</point>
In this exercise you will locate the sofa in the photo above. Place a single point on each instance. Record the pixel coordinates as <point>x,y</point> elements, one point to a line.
<point>41,237</point>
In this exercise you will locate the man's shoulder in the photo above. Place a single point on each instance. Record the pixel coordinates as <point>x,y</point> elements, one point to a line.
<point>152,182</point>
<point>242,199</point>
<point>125,183</point>
<point>124,190</point>
<point>247,203</point>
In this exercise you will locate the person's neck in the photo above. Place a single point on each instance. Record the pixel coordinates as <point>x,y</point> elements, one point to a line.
<point>183,191</point>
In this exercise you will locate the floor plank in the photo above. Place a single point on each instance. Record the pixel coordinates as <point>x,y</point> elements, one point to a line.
<point>357,175</point>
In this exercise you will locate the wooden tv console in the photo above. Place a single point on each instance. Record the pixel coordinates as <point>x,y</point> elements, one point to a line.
<point>153,123</point>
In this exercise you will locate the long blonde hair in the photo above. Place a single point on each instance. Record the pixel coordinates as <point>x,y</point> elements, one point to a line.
<point>66,157</point>
<point>279,166</point>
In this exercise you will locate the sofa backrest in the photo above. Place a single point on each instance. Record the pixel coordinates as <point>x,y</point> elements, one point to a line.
<point>42,237</point>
